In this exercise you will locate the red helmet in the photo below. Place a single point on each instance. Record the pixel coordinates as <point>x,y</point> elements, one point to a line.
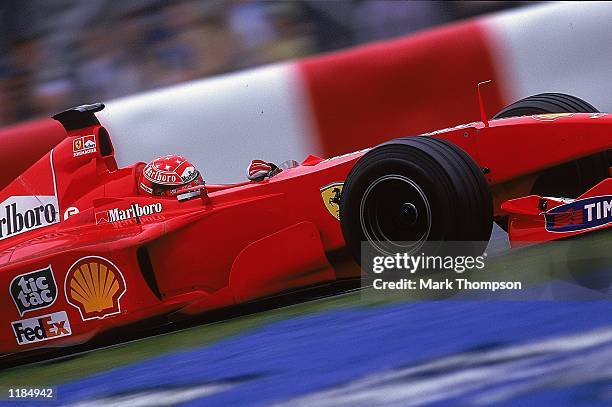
<point>168,176</point>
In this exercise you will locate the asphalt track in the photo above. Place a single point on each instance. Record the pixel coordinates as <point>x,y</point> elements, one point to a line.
<point>430,352</point>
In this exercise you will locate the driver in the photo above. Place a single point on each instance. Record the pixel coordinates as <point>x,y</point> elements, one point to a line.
<point>171,175</point>
<point>168,176</point>
<point>259,170</point>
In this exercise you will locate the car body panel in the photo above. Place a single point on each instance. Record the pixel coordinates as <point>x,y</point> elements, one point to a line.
<point>82,252</point>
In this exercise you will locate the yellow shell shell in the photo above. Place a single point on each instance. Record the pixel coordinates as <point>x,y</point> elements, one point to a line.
<point>94,286</point>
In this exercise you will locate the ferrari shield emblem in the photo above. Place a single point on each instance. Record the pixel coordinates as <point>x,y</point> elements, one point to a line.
<point>331,197</point>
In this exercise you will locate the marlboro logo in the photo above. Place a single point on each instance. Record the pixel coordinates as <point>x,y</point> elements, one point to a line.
<point>135,211</point>
<point>20,214</point>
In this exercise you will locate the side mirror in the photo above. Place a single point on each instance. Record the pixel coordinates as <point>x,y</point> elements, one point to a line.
<point>194,192</point>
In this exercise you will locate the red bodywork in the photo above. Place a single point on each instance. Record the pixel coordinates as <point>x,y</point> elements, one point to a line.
<point>82,252</point>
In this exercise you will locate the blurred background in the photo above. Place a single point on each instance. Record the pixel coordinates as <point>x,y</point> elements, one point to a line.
<point>61,53</point>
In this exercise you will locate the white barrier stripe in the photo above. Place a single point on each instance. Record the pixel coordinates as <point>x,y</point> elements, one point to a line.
<point>558,47</point>
<point>219,123</point>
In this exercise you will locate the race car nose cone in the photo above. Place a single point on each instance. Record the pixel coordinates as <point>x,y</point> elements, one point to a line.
<point>408,213</point>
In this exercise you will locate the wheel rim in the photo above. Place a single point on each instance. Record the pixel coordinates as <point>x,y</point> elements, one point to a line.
<point>395,214</point>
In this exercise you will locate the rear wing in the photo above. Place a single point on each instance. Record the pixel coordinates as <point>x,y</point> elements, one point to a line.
<point>79,117</point>
<point>44,194</point>
<point>84,128</point>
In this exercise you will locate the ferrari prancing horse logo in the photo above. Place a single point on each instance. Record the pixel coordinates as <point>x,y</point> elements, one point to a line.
<point>331,194</point>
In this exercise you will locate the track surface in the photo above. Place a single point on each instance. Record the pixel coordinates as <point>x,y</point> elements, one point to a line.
<point>535,353</point>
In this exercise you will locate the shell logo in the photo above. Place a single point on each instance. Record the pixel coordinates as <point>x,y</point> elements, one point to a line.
<point>94,286</point>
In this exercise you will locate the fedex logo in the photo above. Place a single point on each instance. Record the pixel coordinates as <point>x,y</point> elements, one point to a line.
<point>42,328</point>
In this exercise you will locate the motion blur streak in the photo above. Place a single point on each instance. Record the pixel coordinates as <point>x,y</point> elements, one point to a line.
<point>498,375</point>
<point>561,47</point>
<point>155,398</point>
<point>535,353</point>
<point>229,119</point>
<point>402,87</point>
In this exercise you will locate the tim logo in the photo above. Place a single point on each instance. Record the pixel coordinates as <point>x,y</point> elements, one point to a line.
<point>582,214</point>
<point>84,145</point>
<point>34,290</point>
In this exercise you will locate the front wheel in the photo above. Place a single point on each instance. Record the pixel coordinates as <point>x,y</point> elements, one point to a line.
<point>414,190</point>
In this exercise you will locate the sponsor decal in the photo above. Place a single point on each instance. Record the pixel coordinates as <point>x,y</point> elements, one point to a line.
<point>548,117</point>
<point>189,174</point>
<point>597,115</point>
<point>161,177</point>
<point>41,328</point>
<point>20,214</point>
<point>331,194</point>
<point>581,214</point>
<point>94,286</point>
<point>84,145</point>
<point>170,170</point>
<point>134,212</point>
<point>70,212</point>
<point>189,195</point>
<point>34,290</point>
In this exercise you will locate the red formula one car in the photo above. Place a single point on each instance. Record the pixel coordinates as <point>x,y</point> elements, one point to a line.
<point>83,251</point>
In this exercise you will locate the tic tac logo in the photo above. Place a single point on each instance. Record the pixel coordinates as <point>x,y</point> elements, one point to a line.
<point>42,328</point>
<point>580,215</point>
<point>94,286</point>
<point>20,214</point>
<point>34,290</point>
<point>84,145</point>
<point>135,211</point>
<point>331,194</point>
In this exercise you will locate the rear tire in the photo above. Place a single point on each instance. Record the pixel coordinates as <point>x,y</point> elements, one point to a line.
<point>546,103</point>
<point>415,189</point>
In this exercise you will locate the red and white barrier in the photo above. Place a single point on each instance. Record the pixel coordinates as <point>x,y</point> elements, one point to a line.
<point>343,101</point>
<point>559,47</point>
<point>219,123</point>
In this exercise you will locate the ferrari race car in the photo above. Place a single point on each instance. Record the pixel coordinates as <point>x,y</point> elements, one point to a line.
<point>82,251</point>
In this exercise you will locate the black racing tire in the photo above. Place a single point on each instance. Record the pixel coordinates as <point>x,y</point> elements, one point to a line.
<point>417,189</point>
<point>546,103</point>
<point>566,180</point>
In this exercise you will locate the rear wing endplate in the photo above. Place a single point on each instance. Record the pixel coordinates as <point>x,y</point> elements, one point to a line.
<point>79,117</point>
